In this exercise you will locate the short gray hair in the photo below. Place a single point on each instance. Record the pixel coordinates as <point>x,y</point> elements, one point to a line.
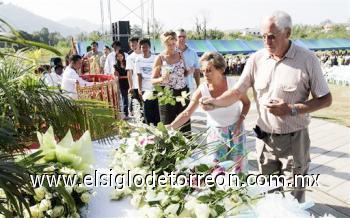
<point>216,59</point>
<point>281,19</point>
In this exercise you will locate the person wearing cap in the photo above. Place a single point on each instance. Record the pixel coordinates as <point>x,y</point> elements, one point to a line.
<point>54,78</point>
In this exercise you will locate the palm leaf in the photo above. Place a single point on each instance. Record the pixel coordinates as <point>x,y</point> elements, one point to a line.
<point>14,37</point>
<point>14,182</point>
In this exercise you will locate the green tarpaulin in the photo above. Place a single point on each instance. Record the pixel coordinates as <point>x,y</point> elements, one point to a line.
<point>238,46</point>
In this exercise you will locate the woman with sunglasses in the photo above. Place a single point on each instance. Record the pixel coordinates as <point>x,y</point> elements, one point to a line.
<point>225,124</point>
<point>169,71</point>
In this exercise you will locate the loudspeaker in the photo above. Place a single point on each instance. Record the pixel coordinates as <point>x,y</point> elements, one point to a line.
<point>121,32</point>
<point>124,27</point>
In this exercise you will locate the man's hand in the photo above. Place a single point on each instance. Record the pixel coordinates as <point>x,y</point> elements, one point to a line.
<point>207,103</point>
<point>131,91</point>
<point>279,108</point>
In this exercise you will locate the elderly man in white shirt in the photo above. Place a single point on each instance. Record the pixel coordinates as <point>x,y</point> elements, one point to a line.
<point>70,77</point>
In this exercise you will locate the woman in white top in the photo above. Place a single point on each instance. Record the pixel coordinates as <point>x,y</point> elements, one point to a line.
<point>224,124</point>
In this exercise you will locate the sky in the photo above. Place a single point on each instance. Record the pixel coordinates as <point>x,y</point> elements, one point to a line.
<point>174,14</point>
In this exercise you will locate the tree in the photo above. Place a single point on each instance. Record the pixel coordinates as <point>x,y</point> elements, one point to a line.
<point>157,29</point>
<point>82,36</point>
<point>215,34</point>
<point>42,35</point>
<point>94,36</point>
<point>200,27</point>
<point>136,31</point>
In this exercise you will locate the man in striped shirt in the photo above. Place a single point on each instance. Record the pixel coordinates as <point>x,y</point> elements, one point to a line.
<point>282,76</point>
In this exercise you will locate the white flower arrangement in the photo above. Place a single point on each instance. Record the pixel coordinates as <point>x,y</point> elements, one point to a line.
<point>68,158</point>
<point>154,150</point>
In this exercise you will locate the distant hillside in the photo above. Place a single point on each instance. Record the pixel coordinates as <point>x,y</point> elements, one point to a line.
<point>80,24</point>
<point>30,22</point>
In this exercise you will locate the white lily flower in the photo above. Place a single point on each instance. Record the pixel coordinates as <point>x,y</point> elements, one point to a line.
<point>154,212</point>
<point>148,95</point>
<point>69,189</point>
<point>48,196</point>
<point>136,200</point>
<point>132,160</point>
<point>202,210</point>
<point>57,211</point>
<point>40,193</point>
<point>80,189</point>
<point>35,212</point>
<point>171,209</point>
<point>85,197</point>
<point>183,98</point>
<point>44,205</point>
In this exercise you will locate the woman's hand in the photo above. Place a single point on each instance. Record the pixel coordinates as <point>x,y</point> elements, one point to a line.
<point>165,77</point>
<point>169,127</point>
<point>237,130</point>
<point>140,94</point>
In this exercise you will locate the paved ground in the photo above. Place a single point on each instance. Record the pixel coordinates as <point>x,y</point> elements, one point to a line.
<point>330,157</point>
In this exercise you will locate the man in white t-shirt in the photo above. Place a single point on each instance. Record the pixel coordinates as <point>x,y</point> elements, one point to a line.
<point>143,69</point>
<point>54,78</point>
<point>130,67</point>
<point>111,58</point>
<point>106,52</point>
<point>70,77</point>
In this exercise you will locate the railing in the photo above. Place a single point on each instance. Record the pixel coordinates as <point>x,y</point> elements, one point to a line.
<point>105,89</point>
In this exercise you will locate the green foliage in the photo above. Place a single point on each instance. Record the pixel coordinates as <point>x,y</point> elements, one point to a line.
<point>32,106</point>
<point>165,96</point>
<point>15,183</point>
<point>28,105</point>
<point>298,32</point>
<point>12,36</point>
<point>318,32</point>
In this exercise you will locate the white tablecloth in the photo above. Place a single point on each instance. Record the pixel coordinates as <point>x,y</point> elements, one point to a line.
<point>101,205</point>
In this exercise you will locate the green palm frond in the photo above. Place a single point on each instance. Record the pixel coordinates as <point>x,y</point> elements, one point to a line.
<point>14,183</point>
<point>32,106</point>
<point>8,136</point>
<point>14,37</point>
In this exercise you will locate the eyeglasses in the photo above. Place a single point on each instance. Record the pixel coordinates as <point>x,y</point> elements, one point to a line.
<point>270,36</point>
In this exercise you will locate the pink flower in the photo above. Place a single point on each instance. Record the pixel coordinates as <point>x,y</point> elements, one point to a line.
<point>147,140</point>
<point>217,171</point>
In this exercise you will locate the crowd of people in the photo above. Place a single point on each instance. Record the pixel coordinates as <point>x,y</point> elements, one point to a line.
<point>282,76</point>
<point>334,58</point>
<point>236,63</point>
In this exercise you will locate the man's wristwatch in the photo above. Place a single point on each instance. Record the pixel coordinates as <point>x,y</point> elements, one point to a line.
<point>293,111</point>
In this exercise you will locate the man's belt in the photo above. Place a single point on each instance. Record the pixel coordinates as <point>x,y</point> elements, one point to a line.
<point>261,134</point>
